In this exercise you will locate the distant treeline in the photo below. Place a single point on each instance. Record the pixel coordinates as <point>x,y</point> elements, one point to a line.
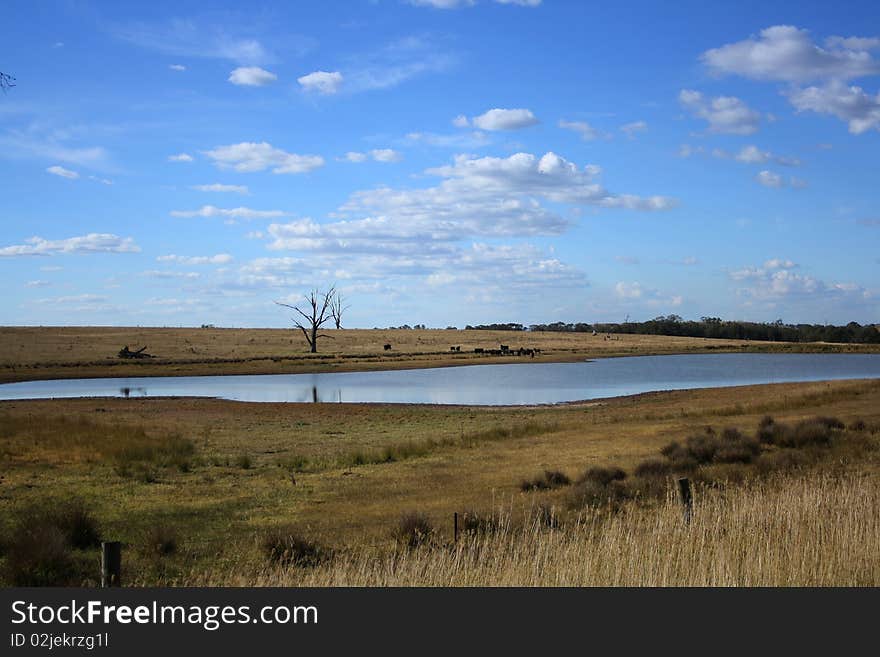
<point>711,327</point>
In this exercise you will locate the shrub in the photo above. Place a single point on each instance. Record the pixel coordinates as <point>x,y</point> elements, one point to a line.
<point>653,468</point>
<point>76,523</point>
<point>39,556</point>
<point>413,530</point>
<point>244,461</point>
<point>39,549</point>
<point>473,522</point>
<point>592,492</point>
<point>783,459</point>
<point>857,425</point>
<point>806,433</point>
<point>828,422</point>
<point>550,479</point>
<point>285,547</point>
<point>603,476</point>
<point>161,540</point>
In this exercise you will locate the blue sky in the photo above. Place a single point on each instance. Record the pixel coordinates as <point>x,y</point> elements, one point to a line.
<point>440,162</point>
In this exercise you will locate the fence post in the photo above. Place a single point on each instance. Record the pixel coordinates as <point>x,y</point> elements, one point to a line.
<point>687,500</point>
<point>455,527</point>
<point>111,564</point>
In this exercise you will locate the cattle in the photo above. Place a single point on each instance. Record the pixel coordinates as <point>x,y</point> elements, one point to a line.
<point>455,349</point>
<point>505,347</point>
<point>387,347</point>
<point>478,350</point>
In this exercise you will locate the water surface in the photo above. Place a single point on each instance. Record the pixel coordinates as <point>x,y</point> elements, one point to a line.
<point>505,384</point>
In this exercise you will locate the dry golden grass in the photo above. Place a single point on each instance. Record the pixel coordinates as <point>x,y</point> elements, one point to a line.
<point>467,458</point>
<point>28,353</point>
<point>807,531</point>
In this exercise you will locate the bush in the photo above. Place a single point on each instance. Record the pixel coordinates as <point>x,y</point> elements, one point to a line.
<point>591,492</point>
<point>857,425</point>
<point>161,540</point>
<point>244,462</point>
<point>550,479</point>
<point>473,522</point>
<point>653,468</point>
<point>286,547</point>
<point>39,549</point>
<point>77,524</point>
<point>782,460</point>
<point>413,530</point>
<point>808,432</point>
<point>603,476</point>
<point>39,556</point>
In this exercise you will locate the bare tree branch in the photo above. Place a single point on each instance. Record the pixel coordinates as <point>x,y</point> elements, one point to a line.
<point>6,81</point>
<point>317,313</point>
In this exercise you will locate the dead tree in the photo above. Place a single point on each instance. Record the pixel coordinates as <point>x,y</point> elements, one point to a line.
<point>336,309</point>
<point>125,352</point>
<point>317,314</point>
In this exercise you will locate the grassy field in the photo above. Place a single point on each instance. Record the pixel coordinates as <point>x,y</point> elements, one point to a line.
<point>28,353</point>
<point>195,487</point>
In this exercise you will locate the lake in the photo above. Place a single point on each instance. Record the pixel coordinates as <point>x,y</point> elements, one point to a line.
<point>506,384</point>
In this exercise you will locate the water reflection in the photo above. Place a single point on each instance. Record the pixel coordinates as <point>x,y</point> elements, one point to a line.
<point>506,384</point>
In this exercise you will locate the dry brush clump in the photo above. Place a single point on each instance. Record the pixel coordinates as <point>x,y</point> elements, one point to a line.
<point>784,531</point>
<point>47,545</point>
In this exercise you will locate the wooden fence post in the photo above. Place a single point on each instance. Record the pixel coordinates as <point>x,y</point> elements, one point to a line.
<point>687,500</point>
<point>111,564</point>
<point>455,527</point>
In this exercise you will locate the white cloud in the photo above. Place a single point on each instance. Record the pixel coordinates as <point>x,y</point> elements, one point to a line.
<point>779,263</point>
<point>631,129</point>
<point>770,179</point>
<point>62,172</point>
<point>219,187</point>
<point>478,197</point>
<point>251,76</point>
<point>395,63</point>
<point>686,150</point>
<point>386,155</point>
<point>248,157</point>
<point>177,67</point>
<point>725,114</point>
<point>91,243</point>
<point>103,181</point>
<point>191,38</point>
<point>584,129</point>
<point>753,155</point>
<point>186,275</point>
<point>784,52</point>
<point>636,292</point>
<point>180,157</point>
<point>37,284</point>
<point>321,82</point>
<point>230,213</point>
<point>853,43</point>
<point>219,259</point>
<point>355,156</point>
<point>461,121</point>
<point>377,154</point>
<point>852,104</point>
<point>776,279</point>
<point>504,119</point>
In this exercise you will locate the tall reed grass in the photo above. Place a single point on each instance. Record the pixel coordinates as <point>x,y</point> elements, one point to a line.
<point>814,530</point>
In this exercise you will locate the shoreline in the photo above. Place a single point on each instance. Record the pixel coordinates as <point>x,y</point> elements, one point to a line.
<point>332,363</point>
